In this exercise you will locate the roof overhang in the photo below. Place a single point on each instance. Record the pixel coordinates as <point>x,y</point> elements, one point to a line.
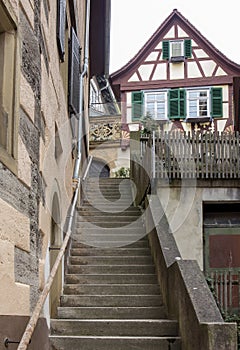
<point>100,15</point>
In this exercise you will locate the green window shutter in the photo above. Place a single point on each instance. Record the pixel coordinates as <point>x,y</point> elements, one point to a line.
<point>177,103</point>
<point>74,73</point>
<point>182,103</point>
<point>188,48</point>
<point>216,102</point>
<point>137,105</point>
<point>166,50</point>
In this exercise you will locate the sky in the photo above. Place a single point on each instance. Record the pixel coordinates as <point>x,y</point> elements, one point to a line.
<point>134,21</point>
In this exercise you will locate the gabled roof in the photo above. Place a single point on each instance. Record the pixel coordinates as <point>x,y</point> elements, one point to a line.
<point>176,18</point>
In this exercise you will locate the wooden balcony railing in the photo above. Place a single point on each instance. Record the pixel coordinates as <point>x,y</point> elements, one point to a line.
<point>199,155</point>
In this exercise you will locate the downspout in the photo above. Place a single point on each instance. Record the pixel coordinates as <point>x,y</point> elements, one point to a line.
<point>81,87</point>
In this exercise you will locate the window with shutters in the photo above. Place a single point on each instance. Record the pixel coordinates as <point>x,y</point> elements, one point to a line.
<point>8,90</point>
<point>156,104</point>
<point>177,50</point>
<point>190,104</point>
<point>204,103</point>
<point>74,73</point>
<point>61,24</point>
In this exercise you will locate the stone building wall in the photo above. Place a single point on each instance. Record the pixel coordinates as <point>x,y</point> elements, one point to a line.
<point>37,163</point>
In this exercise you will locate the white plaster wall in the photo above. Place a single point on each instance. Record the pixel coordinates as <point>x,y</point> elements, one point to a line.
<point>160,72</point>
<point>145,71</point>
<point>129,107</point>
<point>193,70</point>
<point>177,71</point>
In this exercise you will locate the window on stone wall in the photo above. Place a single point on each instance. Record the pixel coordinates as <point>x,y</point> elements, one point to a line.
<point>8,88</point>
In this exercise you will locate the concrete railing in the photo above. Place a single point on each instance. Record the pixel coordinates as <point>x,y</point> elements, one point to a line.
<point>185,291</point>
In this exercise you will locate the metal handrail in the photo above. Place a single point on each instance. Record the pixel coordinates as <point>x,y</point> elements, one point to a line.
<point>36,312</point>
<point>90,159</point>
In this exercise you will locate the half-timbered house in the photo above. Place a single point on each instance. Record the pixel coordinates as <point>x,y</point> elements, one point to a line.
<point>181,79</point>
<point>190,91</point>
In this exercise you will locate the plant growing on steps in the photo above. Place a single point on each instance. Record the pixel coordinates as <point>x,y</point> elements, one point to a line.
<point>122,172</point>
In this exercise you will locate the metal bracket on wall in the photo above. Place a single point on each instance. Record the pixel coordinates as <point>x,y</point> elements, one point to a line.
<point>7,342</point>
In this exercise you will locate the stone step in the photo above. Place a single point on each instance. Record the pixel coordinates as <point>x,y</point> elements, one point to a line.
<point>110,201</point>
<point>108,240</point>
<point>154,328</point>
<point>116,269</point>
<point>110,260</point>
<point>111,289</point>
<point>109,218</point>
<point>111,279</point>
<point>113,231</point>
<point>111,300</point>
<point>143,243</point>
<point>110,208</point>
<point>144,312</point>
<point>98,192</point>
<point>129,209</point>
<point>110,252</point>
<point>107,244</point>
<point>114,343</point>
<point>137,224</point>
<point>109,195</point>
<point>90,211</point>
<point>109,181</point>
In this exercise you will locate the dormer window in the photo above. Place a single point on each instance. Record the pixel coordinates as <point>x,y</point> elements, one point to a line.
<point>177,50</point>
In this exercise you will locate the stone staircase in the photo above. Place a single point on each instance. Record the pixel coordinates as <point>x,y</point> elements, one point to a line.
<point>111,297</point>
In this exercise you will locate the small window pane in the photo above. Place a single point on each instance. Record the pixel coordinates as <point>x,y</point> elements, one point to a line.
<point>176,48</point>
<point>155,104</point>
<point>198,101</point>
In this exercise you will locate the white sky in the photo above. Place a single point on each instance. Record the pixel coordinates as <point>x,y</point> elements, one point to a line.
<point>134,21</point>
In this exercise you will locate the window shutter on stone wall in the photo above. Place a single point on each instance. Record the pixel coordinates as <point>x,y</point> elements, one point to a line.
<point>61,23</point>
<point>137,105</point>
<point>216,102</point>
<point>74,72</point>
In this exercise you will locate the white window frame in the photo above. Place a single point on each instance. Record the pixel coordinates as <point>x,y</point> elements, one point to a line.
<point>198,99</point>
<point>175,42</point>
<point>164,103</point>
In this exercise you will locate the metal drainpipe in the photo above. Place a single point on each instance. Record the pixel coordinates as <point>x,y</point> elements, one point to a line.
<point>80,118</point>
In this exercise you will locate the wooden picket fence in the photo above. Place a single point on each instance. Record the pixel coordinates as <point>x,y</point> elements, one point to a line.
<point>203,155</point>
<point>225,286</point>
